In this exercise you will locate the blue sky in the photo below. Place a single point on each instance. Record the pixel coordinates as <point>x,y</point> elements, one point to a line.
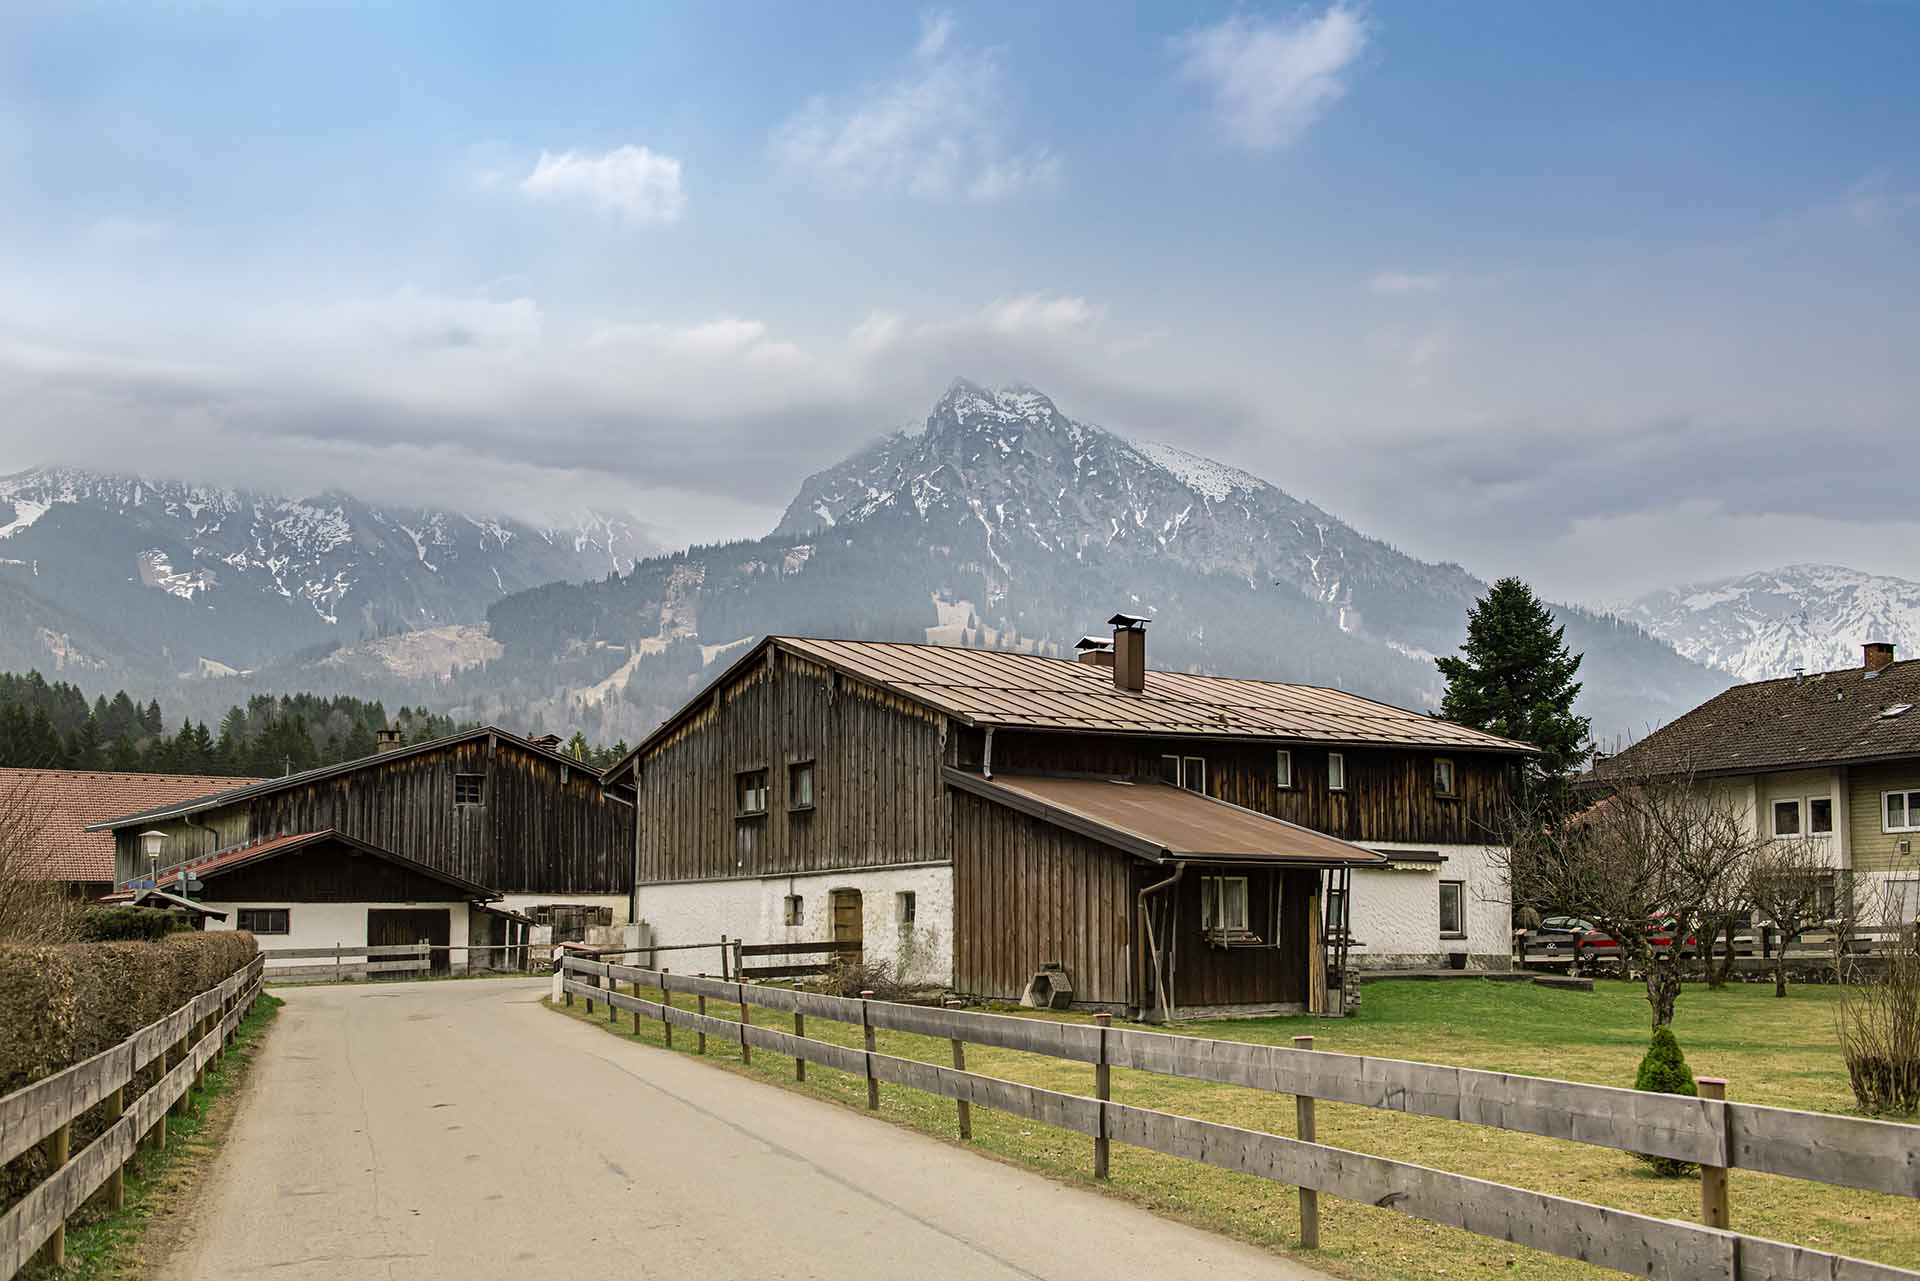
<point>1610,295</point>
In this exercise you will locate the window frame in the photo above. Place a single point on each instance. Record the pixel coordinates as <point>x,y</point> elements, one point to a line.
<point>1808,816</point>
<point>743,792</point>
<point>794,911</point>
<point>1169,759</point>
<point>478,782</point>
<point>1218,884</point>
<point>1185,763</point>
<point>286,919</point>
<point>1452,789</point>
<point>1774,808</point>
<point>1336,763</point>
<point>1459,889</point>
<point>1906,795</point>
<point>906,909</point>
<point>1283,769</point>
<point>795,770</point>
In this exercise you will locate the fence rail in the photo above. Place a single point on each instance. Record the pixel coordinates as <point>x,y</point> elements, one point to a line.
<point>1876,1156</point>
<point>185,1041</point>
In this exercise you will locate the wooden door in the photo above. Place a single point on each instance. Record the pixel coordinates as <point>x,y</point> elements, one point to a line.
<point>397,926</point>
<point>847,917</point>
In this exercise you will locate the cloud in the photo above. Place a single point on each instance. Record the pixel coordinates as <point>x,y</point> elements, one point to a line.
<point>1271,78</point>
<point>939,132</point>
<point>1390,284</point>
<point>636,183</point>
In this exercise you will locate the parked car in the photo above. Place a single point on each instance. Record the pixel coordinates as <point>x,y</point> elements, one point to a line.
<point>1568,938</point>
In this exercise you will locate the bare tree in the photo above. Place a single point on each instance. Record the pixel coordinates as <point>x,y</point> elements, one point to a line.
<point>1650,857</point>
<point>33,909</point>
<point>1790,885</point>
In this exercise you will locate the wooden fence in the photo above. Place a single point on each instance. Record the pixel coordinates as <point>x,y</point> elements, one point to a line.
<point>43,1113</point>
<point>788,969</point>
<point>340,964</point>
<point>1843,1151</point>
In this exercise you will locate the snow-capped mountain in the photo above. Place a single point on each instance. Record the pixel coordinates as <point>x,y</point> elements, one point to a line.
<point>1005,522</point>
<point>1801,617</point>
<point>169,576</point>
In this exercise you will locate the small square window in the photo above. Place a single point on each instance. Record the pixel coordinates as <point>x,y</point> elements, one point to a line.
<point>1453,905</point>
<point>1283,770</point>
<point>469,789</point>
<point>1193,774</point>
<point>1903,811</point>
<point>264,920</point>
<point>1820,816</point>
<point>800,786</point>
<point>904,908</point>
<point>1786,818</point>
<point>1223,905</point>
<point>1442,776</point>
<point>796,910</point>
<point>750,792</point>
<point>1336,772</point>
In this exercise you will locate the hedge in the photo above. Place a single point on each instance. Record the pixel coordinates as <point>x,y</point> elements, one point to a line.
<point>62,1004</point>
<point>106,924</point>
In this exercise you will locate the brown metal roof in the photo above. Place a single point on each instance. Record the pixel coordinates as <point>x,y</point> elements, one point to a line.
<point>66,801</point>
<point>1162,823</point>
<point>1027,691</point>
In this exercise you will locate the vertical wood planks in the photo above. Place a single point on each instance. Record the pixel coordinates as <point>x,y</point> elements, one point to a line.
<point>1714,1210</point>
<point>1309,1199</point>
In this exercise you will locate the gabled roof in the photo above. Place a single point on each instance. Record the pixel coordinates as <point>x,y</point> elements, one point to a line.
<point>1003,689</point>
<point>221,862</point>
<point>216,800</point>
<point>1162,823</point>
<point>66,801</point>
<point>1851,716</point>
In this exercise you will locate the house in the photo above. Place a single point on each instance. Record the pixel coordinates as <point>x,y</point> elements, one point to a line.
<point>1832,759</point>
<point>61,803</point>
<point>972,816</point>
<point>484,817</point>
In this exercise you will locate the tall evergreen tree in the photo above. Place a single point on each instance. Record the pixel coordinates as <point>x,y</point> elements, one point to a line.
<point>1515,678</point>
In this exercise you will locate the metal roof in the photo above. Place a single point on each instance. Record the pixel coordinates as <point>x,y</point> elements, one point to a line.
<point>217,800</point>
<point>1163,823</point>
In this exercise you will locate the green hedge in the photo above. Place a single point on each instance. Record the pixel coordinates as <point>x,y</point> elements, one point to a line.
<point>118,922</point>
<point>62,1004</point>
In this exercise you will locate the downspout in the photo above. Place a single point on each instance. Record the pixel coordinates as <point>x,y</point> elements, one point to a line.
<point>1149,951</point>
<point>986,756</point>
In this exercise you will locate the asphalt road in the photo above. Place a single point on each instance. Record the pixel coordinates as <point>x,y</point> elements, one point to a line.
<point>458,1130</point>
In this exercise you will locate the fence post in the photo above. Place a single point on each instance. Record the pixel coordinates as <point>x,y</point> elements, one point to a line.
<point>1309,1198</point>
<point>799,1060</point>
<point>866,1034</point>
<point>746,1018</point>
<point>117,1181</point>
<point>593,980</point>
<point>339,975</point>
<point>725,975</point>
<point>1714,1211</point>
<point>181,1104</point>
<point>59,1150</point>
<point>665,1000</point>
<point>700,1038</point>
<point>961,1106</point>
<point>1102,1090</point>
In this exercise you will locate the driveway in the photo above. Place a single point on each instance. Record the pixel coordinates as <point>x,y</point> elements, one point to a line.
<point>458,1130</point>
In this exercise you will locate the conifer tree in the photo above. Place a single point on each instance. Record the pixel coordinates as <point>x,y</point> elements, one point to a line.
<point>1664,1070</point>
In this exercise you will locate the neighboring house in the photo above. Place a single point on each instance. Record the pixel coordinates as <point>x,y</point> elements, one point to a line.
<point>974,815</point>
<point>1831,758</point>
<point>63,802</point>
<point>509,822</point>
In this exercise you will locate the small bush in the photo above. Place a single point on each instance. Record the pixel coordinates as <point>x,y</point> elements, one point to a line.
<point>853,974</point>
<point>1880,1032</point>
<point>1664,1070</point>
<point>111,924</point>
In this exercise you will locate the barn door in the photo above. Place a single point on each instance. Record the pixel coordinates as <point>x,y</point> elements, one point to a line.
<point>398,926</point>
<point>847,917</point>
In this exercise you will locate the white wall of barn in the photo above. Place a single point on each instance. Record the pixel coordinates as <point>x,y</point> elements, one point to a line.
<point>754,909</point>
<point>1396,910</point>
<point>336,925</point>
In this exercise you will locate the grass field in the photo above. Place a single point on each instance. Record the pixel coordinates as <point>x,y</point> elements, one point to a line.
<point>1772,1051</point>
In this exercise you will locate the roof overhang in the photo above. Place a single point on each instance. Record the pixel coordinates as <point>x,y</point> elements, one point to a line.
<point>221,862</point>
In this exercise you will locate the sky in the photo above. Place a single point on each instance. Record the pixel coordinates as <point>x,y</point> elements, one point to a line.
<point>1612,296</point>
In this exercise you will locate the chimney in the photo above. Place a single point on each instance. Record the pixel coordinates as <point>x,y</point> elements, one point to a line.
<point>1097,650</point>
<point>1129,652</point>
<point>1878,655</point>
<point>386,740</point>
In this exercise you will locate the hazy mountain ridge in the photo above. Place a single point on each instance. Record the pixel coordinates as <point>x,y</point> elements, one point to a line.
<point>1773,622</point>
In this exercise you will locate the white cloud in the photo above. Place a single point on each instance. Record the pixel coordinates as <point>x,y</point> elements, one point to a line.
<point>411,319</point>
<point>1041,314</point>
<point>1393,283</point>
<point>940,132</point>
<point>637,183</point>
<point>1273,77</point>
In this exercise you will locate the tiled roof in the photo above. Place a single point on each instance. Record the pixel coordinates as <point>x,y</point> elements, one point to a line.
<point>1832,718</point>
<point>69,800</point>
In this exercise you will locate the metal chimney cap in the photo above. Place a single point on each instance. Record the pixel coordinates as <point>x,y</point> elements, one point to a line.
<point>1129,621</point>
<point>1093,642</point>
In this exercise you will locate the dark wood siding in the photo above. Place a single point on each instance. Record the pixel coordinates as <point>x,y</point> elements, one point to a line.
<point>1206,975</point>
<point>1389,794</point>
<point>327,874</point>
<point>876,786</point>
<point>1025,893</point>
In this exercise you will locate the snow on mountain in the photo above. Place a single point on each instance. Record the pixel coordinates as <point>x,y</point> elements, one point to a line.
<point>1771,623</point>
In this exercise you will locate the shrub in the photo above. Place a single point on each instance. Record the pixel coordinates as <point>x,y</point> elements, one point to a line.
<point>1879,1029</point>
<point>853,974</point>
<point>106,924</point>
<point>1664,1070</point>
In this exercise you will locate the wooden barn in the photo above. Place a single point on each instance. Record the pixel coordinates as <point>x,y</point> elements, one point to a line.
<point>523,833</point>
<point>1158,841</point>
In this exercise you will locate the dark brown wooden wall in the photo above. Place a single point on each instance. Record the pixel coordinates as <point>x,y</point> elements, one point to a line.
<point>1389,794</point>
<point>1208,975</point>
<point>1025,893</point>
<point>877,788</point>
<point>327,874</point>
<point>534,832</point>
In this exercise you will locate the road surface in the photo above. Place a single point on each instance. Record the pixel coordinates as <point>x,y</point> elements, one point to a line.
<point>459,1130</point>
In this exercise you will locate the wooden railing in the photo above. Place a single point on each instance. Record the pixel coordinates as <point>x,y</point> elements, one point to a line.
<point>343,963</point>
<point>787,969</point>
<point>43,1113</point>
<point>1843,1151</point>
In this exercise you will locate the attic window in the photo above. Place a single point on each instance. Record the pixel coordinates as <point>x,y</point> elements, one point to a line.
<point>468,788</point>
<point>1896,709</point>
<point>750,792</point>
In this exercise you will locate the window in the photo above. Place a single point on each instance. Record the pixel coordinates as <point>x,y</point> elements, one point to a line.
<point>1442,776</point>
<point>750,792</point>
<point>1453,909</point>
<point>1336,772</point>
<point>1336,911</point>
<point>904,906</point>
<point>795,909</point>
<point>1901,811</point>
<point>264,920</point>
<point>468,788</point>
<point>800,786</point>
<point>1820,816</point>
<point>1786,818</point>
<point>1283,770</point>
<point>1170,770</point>
<point>1223,905</point>
<point>1193,774</point>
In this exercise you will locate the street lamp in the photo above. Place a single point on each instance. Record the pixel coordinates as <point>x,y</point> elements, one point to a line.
<point>151,843</point>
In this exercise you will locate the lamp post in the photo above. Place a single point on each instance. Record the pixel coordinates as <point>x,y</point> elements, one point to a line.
<point>151,843</point>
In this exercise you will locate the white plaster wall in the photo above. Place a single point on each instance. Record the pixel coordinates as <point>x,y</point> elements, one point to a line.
<point>755,910</point>
<point>336,925</point>
<point>1396,912</point>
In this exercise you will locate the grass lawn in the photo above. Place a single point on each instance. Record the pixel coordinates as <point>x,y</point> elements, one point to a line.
<point>119,1245</point>
<point>1773,1051</point>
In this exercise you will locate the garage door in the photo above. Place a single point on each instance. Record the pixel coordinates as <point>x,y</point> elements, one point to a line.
<point>395,926</point>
